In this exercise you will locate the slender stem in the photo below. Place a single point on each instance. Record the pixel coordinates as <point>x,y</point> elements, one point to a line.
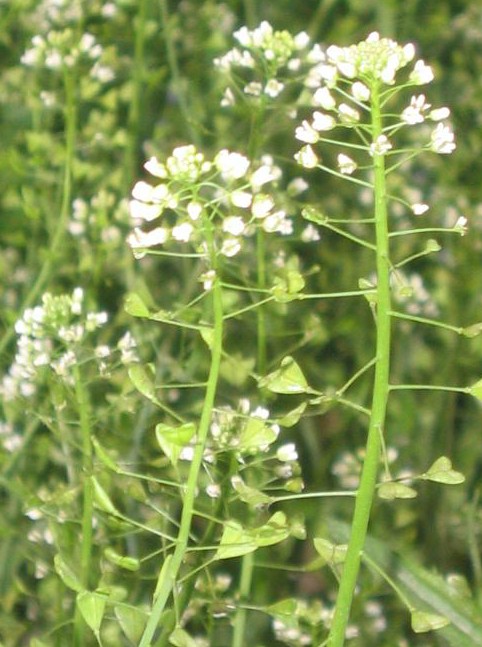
<point>83,405</point>
<point>247,567</point>
<point>169,577</point>
<point>366,491</point>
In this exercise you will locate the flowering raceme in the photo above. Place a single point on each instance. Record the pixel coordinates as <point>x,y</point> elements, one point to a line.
<point>226,190</point>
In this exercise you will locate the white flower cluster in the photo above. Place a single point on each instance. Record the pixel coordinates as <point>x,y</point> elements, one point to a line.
<point>47,337</point>
<point>63,49</point>
<point>353,73</point>
<point>195,189</point>
<point>270,55</point>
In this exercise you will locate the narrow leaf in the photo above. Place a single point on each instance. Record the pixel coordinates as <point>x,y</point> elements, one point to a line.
<point>129,563</point>
<point>102,499</point>
<point>132,621</point>
<point>67,574</point>
<point>180,638</point>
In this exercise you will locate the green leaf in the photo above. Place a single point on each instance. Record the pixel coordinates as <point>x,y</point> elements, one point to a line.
<point>472,331</point>
<point>287,379</point>
<point>283,608</point>
<point>142,377</point>
<point>256,436</point>
<point>207,335</point>
<point>129,563</point>
<point>135,306</point>
<point>67,574</point>
<point>287,287</point>
<point>132,621</point>
<point>394,490</point>
<point>333,554</point>
<point>92,608</point>
<point>292,417</point>
<point>254,498</point>
<point>104,457</point>
<point>423,621</point>
<point>237,541</point>
<point>172,440</point>
<point>102,499</point>
<point>441,472</point>
<point>180,638</point>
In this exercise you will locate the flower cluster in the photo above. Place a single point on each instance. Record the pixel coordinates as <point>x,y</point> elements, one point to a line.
<point>268,55</point>
<point>226,192</point>
<point>61,49</point>
<point>48,336</point>
<point>344,82</point>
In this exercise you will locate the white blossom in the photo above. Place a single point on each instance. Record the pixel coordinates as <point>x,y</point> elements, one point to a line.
<point>360,91</point>
<point>306,157</point>
<point>306,133</point>
<point>232,166</point>
<point>234,225</point>
<point>182,232</point>
<point>324,99</point>
<point>345,164</point>
<point>380,146</point>
<point>442,140</point>
<point>421,73</point>
<point>230,247</point>
<point>323,122</point>
<point>419,208</point>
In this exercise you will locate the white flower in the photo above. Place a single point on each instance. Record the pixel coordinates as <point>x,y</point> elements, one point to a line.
<point>360,91</point>
<point>346,165</point>
<point>324,99</point>
<point>208,279</point>
<point>213,490</point>
<point>234,225</point>
<point>277,222</point>
<point>413,114</point>
<point>241,199</point>
<point>439,114</point>
<point>310,234</point>
<point>262,205</point>
<point>265,173</point>
<point>322,121</point>
<point>328,73</point>
<point>306,133</point>
<point>139,239</point>
<point>232,166</point>
<point>287,453</point>
<point>419,208</point>
<point>301,40</point>
<point>154,167</point>
<point>273,88</point>
<point>306,157</point>
<point>230,247</point>
<point>461,225</point>
<point>142,191</point>
<point>254,89</point>
<point>142,211</point>
<point>228,98</point>
<point>421,73</point>
<point>348,115</point>
<point>194,210</point>
<point>442,140</point>
<point>380,146</point>
<point>296,186</point>
<point>182,232</point>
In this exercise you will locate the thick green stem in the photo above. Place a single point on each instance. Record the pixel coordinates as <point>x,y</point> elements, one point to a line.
<point>368,478</point>
<point>169,577</point>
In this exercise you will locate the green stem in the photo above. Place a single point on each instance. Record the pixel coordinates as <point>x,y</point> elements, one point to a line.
<point>83,405</point>
<point>247,567</point>
<point>366,490</point>
<point>168,577</point>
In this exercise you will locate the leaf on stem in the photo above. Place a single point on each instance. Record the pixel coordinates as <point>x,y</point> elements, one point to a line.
<point>313,215</point>
<point>180,638</point>
<point>172,440</point>
<point>67,574</point>
<point>394,490</point>
<point>423,621</point>
<point>132,621</point>
<point>253,497</point>
<point>142,377</point>
<point>135,306</point>
<point>476,390</point>
<point>287,379</point>
<point>256,436</point>
<point>92,607</point>
<point>441,472</point>
<point>237,540</point>
<point>129,563</point>
<point>292,417</point>
<point>286,288</point>
<point>332,554</point>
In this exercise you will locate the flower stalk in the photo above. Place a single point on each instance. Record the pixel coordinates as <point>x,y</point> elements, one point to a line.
<point>366,490</point>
